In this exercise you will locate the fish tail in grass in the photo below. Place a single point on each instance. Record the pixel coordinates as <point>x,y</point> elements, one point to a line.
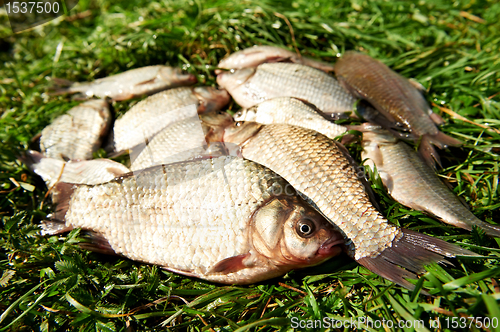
<point>427,150</point>
<point>411,251</point>
<point>88,172</point>
<point>56,223</point>
<point>61,86</point>
<point>31,158</point>
<point>61,195</point>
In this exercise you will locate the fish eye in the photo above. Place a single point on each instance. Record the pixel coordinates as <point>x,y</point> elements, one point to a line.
<point>239,113</point>
<point>305,228</point>
<point>238,124</point>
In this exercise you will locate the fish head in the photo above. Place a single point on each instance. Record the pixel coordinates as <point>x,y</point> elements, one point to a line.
<point>211,99</point>
<point>234,78</point>
<point>217,118</point>
<point>214,123</point>
<point>239,132</point>
<point>289,232</point>
<point>176,76</point>
<point>247,114</point>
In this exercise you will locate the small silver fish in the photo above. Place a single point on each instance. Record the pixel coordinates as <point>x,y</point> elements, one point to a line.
<point>225,219</point>
<point>287,110</point>
<point>182,140</point>
<point>82,172</point>
<point>77,134</point>
<point>132,83</point>
<point>251,86</point>
<point>151,115</point>
<point>395,98</point>
<point>411,182</point>
<point>322,171</point>
<point>254,56</point>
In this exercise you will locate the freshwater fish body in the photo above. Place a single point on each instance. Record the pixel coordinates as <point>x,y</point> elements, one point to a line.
<point>256,55</point>
<point>396,98</point>
<point>89,172</point>
<point>182,140</point>
<point>132,83</point>
<point>411,182</point>
<point>151,115</point>
<point>291,111</point>
<point>321,170</point>
<point>251,86</point>
<point>223,219</point>
<point>77,134</point>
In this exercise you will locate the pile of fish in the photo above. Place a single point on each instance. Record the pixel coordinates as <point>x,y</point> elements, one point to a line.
<point>250,197</point>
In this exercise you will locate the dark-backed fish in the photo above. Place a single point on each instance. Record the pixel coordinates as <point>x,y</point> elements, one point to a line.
<point>398,101</point>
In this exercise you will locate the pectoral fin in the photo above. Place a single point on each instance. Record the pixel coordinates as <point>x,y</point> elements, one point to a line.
<point>231,264</point>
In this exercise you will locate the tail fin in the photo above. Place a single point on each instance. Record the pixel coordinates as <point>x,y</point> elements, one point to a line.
<point>408,255</point>
<point>427,150</point>
<point>31,159</point>
<point>441,140</point>
<point>60,86</point>
<point>61,195</point>
<point>48,169</point>
<point>54,227</point>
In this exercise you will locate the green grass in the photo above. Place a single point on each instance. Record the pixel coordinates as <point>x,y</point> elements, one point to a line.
<point>50,284</point>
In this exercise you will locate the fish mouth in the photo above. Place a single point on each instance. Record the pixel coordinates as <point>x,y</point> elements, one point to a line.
<point>332,246</point>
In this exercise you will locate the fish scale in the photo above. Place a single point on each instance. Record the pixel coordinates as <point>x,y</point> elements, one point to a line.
<point>177,211</point>
<point>152,114</point>
<point>270,80</point>
<point>396,102</point>
<point>77,134</point>
<point>180,141</point>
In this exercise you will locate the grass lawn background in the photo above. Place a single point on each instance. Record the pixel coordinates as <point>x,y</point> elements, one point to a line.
<point>49,284</point>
